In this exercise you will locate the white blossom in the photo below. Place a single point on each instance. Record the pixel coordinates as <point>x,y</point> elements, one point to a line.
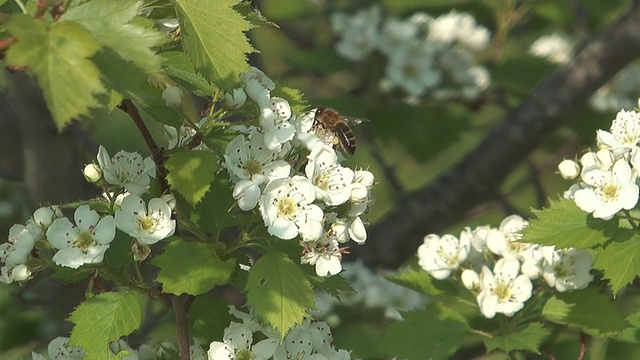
<point>439,256</point>
<point>569,169</point>
<point>554,47</point>
<point>461,28</point>
<point>624,133</point>
<point>325,254</point>
<point>148,224</point>
<point>59,349</point>
<point>608,191</point>
<point>128,170</point>
<point>359,33</point>
<point>287,204</point>
<point>503,290</point>
<point>567,269</point>
<point>274,120</point>
<point>237,344</point>
<point>14,254</point>
<point>236,98</point>
<point>332,182</point>
<point>82,243</point>
<point>258,86</point>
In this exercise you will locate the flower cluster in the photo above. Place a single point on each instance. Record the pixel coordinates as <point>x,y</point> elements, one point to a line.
<point>370,291</point>
<point>296,180</point>
<point>309,340</point>
<point>87,238</point>
<point>425,55</point>
<point>607,178</point>
<point>620,92</point>
<point>499,269</point>
<point>59,349</point>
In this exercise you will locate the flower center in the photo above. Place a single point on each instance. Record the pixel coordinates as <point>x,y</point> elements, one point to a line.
<point>252,167</point>
<point>84,240</point>
<point>244,354</point>
<point>147,224</point>
<point>610,191</point>
<point>322,181</point>
<point>287,207</point>
<point>502,291</point>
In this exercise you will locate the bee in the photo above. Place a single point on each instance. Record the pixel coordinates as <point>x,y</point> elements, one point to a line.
<point>333,129</point>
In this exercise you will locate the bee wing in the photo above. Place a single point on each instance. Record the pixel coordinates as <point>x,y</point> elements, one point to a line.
<point>355,120</point>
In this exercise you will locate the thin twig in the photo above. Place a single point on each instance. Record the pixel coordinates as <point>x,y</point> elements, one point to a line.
<point>183,326</point>
<point>156,153</point>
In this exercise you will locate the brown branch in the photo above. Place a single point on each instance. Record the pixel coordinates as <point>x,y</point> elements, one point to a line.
<point>182,322</point>
<point>156,153</point>
<point>551,104</point>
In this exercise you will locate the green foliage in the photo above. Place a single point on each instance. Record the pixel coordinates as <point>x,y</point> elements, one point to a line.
<point>213,211</point>
<point>191,173</point>
<point>105,318</point>
<point>213,37</point>
<point>208,317</point>
<point>564,225</point>
<point>110,22</point>
<point>279,292</point>
<point>620,260</point>
<point>294,96</point>
<point>587,309</point>
<point>528,338</point>
<point>520,74</point>
<point>192,268</point>
<point>179,67</point>
<point>58,54</point>
<point>427,334</point>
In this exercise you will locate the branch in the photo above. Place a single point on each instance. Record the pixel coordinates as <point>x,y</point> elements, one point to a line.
<point>551,104</point>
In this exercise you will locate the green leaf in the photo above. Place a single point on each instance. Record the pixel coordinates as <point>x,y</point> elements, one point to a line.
<point>213,37</point>
<point>620,260</point>
<point>279,292</point>
<point>429,333</point>
<point>191,173</point>
<point>105,318</point>
<point>125,80</point>
<point>528,339</point>
<point>631,334</point>
<point>564,225</point>
<point>293,96</point>
<point>110,23</point>
<point>520,74</point>
<point>178,66</point>
<point>213,210</point>
<point>192,268</point>
<point>586,309</point>
<point>58,54</point>
<point>253,14</point>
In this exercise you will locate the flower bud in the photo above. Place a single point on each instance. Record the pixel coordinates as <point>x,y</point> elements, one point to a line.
<point>589,159</point>
<point>236,99</point>
<point>569,170</point>
<point>172,96</point>
<point>21,272</point>
<point>92,173</point>
<point>606,158</point>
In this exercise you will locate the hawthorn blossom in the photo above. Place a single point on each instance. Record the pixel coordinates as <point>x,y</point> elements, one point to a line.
<point>503,290</point>
<point>172,96</point>
<point>567,269</point>
<point>439,256</point>
<point>460,28</point>
<point>608,192</point>
<point>148,224</point>
<point>274,120</point>
<point>82,243</point>
<point>238,344</point>
<point>569,169</point>
<point>258,86</point>
<point>59,349</point>
<point>287,205</point>
<point>14,254</point>
<point>359,33</point>
<point>624,133</point>
<point>505,242</point>
<point>128,170</point>
<point>236,98</point>
<point>325,254</point>
<point>331,181</point>
<point>554,47</point>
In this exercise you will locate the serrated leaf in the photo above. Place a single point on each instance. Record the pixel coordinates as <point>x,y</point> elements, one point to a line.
<point>620,260</point>
<point>191,268</point>
<point>125,80</point>
<point>213,35</point>
<point>426,334</point>
<point>631,334</point>
<point>110,22</point>
<point>58,54</point>
<point>585,309</point>
<point>105,318</point>
<point>279,292</point>
<point>178,66</point>
<point>294,96</point>
<point>213,210</point>
<point>191,173</point>
<point>528,339</point>
<point>564,225</point>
